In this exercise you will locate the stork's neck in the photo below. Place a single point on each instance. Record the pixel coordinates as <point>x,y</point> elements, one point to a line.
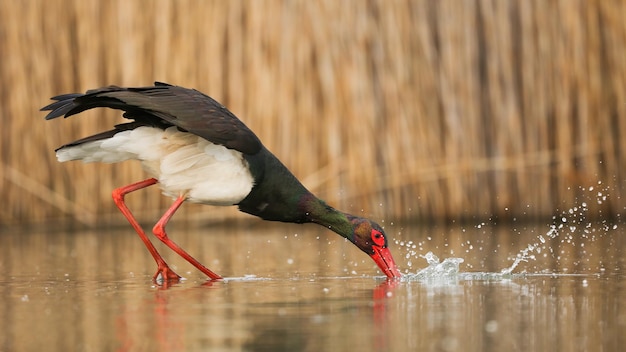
<point>317,211</point>
<point>279,196</point>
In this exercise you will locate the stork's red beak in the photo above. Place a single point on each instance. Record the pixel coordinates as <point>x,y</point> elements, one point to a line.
<point>384,260</point>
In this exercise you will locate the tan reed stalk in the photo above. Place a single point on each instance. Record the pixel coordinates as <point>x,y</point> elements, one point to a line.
<point>400,110</point>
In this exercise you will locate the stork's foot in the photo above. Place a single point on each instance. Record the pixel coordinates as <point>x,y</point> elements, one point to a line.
<point>165,275</point>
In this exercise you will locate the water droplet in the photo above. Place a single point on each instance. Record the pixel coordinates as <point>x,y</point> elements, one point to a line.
<point>491,326</point>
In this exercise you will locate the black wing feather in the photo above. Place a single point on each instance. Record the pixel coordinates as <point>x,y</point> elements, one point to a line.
<point>162,105</point>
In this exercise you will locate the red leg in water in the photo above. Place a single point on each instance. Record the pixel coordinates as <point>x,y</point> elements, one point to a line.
<point>164,272</point>
<point>159,232</point>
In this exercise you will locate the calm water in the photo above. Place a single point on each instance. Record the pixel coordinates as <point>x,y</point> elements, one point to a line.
<point>301,288</point>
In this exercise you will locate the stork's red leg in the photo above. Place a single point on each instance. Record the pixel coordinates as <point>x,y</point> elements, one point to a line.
<point>159,231</point>
<point>164,272</point>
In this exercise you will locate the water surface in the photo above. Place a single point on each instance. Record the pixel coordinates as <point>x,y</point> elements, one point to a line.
<point>301,288</point>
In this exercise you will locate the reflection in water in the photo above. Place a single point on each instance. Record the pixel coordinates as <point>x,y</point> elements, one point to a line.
<point>312,292</point>
<point>310,325</point>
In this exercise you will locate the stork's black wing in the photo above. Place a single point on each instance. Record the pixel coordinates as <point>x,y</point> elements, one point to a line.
<point>162,105</point>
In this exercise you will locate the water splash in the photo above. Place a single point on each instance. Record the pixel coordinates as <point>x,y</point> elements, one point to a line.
<point>446,272</point>
<point>570,229</point>
<point>436,269</point>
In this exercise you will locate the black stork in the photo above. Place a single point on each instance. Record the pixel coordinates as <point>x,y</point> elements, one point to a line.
<point>198,151</point>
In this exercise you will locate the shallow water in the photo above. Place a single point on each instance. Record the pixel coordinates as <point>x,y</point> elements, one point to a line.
<point>301,288</point>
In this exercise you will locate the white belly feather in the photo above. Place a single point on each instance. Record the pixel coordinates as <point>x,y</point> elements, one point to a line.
<point>182,162</point>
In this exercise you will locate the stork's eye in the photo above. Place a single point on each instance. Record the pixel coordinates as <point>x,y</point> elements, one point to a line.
<point>378,238</point>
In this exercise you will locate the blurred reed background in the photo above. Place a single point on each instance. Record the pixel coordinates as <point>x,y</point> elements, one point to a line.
<point>431,110</point>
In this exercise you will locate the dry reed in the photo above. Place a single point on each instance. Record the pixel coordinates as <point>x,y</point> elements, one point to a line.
<point>396,109</point>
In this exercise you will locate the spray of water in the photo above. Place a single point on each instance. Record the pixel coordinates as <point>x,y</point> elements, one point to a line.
<point>569,227</point>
